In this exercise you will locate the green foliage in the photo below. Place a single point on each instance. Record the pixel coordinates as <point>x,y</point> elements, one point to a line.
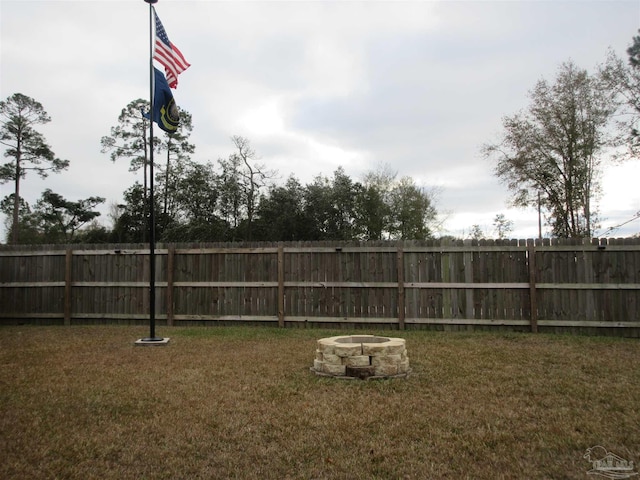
<point>55,219</point>
<point>230,191</point>
<point>280,214</point>
<point>244,187</point>
<point>336,208</point>
<point>329,206</point>
<point>634,52</point>
<point>60,218</point>
<point>554,149</point>
<point>178,152</point>
<point>93,233</point>
<point>131,224</point>
<point>371,213</point>
<point>128,139</point>
<point>412,211</point>
<point>623,78</point>
<point>207,205</point>
<point>27,221</point>
<point>25,148</point>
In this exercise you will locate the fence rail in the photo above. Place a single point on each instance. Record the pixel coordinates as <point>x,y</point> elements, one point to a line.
<point>516,284</point>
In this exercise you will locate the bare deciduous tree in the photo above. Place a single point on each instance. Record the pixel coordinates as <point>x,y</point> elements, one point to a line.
<point>556,147</point>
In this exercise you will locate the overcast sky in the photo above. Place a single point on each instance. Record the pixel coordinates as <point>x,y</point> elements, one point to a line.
<point>315,85</point>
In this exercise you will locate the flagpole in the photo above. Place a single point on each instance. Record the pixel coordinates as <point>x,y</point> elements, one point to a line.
<point>151,339</point>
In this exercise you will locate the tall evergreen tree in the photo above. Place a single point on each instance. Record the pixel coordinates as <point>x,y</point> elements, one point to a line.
<point>128,139</point>
<point>25,147</point>
<point>178,150</point>
<point>27,221</point>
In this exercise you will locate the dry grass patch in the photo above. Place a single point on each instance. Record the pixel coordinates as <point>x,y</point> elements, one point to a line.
<point>84,403</point>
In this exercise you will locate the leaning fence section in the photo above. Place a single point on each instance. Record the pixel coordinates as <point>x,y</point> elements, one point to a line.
<point>525,285</point>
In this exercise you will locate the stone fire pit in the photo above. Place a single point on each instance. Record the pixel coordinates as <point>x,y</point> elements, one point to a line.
<point>361,356</point>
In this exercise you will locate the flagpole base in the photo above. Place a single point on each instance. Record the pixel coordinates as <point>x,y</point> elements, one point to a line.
<point>152,341</point>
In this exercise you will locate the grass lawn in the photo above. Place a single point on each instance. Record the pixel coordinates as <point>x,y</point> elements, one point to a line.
<point>240,402</point>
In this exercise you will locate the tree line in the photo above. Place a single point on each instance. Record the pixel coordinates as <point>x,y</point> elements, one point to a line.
<point>230,200</point>
<point>550,155</point>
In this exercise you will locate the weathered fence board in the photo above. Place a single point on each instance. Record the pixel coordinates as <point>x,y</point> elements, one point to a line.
<point>519,284</point>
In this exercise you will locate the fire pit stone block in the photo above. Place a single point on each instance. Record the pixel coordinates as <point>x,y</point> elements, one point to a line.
<point>357,361</point>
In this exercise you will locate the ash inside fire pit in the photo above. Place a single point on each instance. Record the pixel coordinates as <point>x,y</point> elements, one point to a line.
<point>361,356</point>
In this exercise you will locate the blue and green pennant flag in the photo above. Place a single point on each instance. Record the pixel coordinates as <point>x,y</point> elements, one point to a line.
<point>165,111</point>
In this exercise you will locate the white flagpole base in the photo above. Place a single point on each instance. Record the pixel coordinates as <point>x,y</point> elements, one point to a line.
<point>158,341</point>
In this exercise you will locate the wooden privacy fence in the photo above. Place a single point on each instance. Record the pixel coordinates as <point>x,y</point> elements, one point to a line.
<point>517,284</point>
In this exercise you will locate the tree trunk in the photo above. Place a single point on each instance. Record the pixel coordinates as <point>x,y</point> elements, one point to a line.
<point>16,201</point>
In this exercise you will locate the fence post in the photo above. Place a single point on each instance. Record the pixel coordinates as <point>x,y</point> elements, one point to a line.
<point>280,286</point>
<point>531,251</point>
<point>401,312</point>
<point>68,262</point>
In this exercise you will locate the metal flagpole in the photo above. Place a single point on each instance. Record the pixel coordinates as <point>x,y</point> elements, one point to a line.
<point>152,339</point>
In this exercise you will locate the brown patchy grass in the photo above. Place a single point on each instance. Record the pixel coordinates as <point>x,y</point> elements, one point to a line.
<point>217,403</point>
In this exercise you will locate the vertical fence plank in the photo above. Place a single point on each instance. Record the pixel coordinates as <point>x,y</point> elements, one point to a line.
<point>531,252</point>
<point>445,272</point>
<point>281,312</point>
<point>68,265</point>
<point>170,274</point>
<point>468,278</point>
<point>400,280</point>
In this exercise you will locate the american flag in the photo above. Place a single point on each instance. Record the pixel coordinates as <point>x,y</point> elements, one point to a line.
<point>168,54</point>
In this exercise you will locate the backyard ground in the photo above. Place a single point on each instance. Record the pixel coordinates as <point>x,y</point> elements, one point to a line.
<point>241,403</point>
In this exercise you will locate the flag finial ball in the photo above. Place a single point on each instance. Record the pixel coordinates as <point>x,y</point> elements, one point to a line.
<point>151,1</point>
